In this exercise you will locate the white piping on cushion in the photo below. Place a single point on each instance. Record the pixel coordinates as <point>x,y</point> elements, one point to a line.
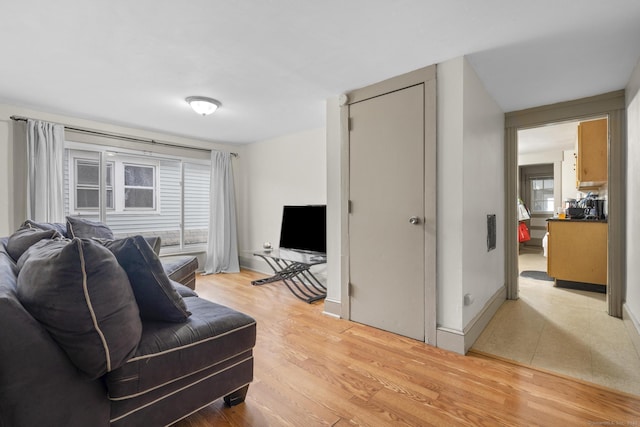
<point>179,390</point>
<point>131,396</point>
<point>148,356</point>
<point>90,306</point>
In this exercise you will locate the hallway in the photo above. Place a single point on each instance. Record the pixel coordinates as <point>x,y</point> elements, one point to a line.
<point>564,331</point>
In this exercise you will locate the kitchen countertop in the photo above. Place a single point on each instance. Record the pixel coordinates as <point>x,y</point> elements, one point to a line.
<point>577,220</point>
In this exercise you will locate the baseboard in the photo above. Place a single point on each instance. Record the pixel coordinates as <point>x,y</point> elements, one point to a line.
<point>461,341</point>
<point>254,264</point>
<point>332,308</point>
<point>473,330</point>
<point>450,339</point>
<point>632,325</point>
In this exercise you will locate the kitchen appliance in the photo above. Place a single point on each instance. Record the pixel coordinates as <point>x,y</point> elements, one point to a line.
<point>576,213</point>
<point>592,208</point>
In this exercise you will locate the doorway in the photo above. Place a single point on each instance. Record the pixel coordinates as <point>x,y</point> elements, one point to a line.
<point>611,105</point>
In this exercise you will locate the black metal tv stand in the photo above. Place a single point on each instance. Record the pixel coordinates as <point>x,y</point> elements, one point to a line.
<point>292,268</point>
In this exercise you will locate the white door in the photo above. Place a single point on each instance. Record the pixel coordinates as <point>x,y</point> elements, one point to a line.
<point>386,223</point>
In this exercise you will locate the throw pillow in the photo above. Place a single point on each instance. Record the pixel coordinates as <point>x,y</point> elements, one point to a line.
<point>24,238</point>
<point>82,296</point>
<point>156,296</point>
<point>57,226</point>
<point>83,228</point>
<point>155,243</point>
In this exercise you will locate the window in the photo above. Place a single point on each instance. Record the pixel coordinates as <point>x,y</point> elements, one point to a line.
<point>542,194</point>
<point>139,186</point>
<point>130,183</point>
<point>146,194</point>
<point>87,191</point>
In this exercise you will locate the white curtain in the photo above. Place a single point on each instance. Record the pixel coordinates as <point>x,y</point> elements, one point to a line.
<point>45,169</point>
<point>222,253</point>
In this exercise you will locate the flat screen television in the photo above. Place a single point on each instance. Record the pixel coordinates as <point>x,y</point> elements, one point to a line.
<point>304,228</point>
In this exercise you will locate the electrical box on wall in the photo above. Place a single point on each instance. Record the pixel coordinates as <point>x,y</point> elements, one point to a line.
<point>491,232</point>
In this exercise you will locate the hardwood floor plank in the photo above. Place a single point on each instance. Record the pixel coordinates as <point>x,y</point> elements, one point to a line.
<point>315,370</point>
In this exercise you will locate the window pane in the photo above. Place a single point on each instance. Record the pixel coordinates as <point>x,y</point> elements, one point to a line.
<point>138,198</point>
<point>88,172</point>
<point>87,198</point>
<point>542,195</point>
<point>138,176</point>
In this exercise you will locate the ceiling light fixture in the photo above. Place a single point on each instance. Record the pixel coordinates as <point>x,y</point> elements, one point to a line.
<point>203,105</point>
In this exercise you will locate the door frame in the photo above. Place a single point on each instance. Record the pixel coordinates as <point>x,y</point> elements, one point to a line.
<point>611,104</point>
<point>427,77</point>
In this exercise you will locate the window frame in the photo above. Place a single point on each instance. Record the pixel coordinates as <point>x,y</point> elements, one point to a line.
<point>119,161</point>
<point>532,193</point>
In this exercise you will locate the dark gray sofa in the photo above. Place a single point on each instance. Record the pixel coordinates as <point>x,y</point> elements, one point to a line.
<point>175,369</point>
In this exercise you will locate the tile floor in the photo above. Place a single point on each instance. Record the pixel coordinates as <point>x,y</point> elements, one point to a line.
<point>562,330</point>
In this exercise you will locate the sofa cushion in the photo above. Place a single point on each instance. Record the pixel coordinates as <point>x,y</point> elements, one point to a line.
<point>155,242</point>
<point>169,352</point>
<point>184,291</point>
<point>24,238</point>
<point>57,226</point>
<point>82,296</point>
<point>83,228</point>
<point>156,297</point>
<point>181,268</point>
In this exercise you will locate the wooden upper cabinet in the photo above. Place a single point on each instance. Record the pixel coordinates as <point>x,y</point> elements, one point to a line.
<point>591,155</point>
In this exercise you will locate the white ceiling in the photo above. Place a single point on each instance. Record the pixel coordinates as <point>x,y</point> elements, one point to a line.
<point>273,63</point>
<point>555,137</point>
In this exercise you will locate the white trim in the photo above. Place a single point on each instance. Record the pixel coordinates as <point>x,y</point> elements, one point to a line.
<point>90,306</point>
<point>332,308</point>
<point>131,396</point>
<point>633,326</point>
<point>176,391</point>
<point>149,356</point>
<point>460,341</point>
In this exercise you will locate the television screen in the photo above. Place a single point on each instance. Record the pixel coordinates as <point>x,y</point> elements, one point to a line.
<point>304,228</point>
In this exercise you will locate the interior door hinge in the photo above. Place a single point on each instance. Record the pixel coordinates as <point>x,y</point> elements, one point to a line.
<point>349,124</point>
<point>349,206</point>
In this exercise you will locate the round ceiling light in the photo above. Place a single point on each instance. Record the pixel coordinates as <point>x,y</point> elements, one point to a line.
<point>203,105</point>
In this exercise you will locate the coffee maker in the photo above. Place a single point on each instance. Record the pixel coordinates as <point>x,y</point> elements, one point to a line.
<point>595,208</point>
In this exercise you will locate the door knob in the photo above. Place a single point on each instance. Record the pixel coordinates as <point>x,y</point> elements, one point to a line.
<point>414,220</point>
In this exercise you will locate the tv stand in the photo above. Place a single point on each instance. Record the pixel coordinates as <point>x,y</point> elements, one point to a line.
<point>293,268</point>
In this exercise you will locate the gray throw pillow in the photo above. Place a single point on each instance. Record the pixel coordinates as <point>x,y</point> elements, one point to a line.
<point>57,226</point>
<point>156,296</point>
<point>24,238</point>
<point>77,290</point>
<point>83,228</point>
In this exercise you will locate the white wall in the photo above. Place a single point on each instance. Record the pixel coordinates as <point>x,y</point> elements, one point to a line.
<point>470,186</point>
<point>288,170</point>
<point>633,195</point>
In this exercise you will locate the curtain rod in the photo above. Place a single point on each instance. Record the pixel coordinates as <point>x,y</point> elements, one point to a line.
<point>121,137</point>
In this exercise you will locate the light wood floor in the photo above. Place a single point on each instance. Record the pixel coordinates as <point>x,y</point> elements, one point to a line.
<point>315,370</point>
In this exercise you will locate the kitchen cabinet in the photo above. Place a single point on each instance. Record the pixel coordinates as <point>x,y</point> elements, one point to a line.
<point>591,154</point>
<point>577,251</point>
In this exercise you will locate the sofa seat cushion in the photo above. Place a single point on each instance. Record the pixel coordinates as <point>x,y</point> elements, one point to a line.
<point>168,352</point>
<point>181,268</point>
